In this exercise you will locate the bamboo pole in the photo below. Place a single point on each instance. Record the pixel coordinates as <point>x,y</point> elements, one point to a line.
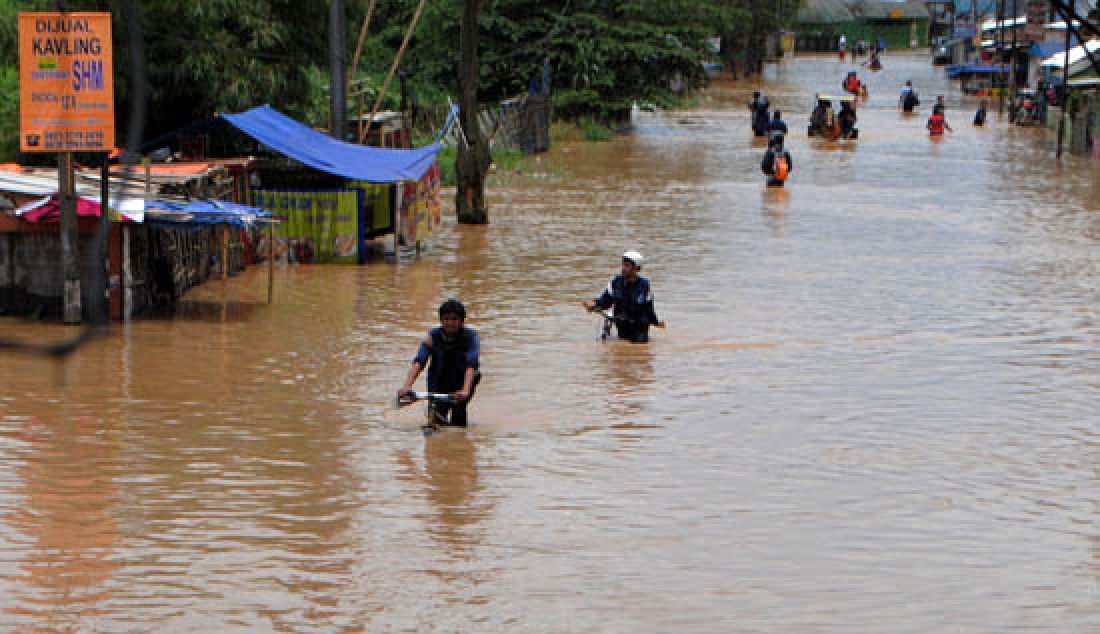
<point>355,67</point>
<point>359,44</point>
<point>393,67</point>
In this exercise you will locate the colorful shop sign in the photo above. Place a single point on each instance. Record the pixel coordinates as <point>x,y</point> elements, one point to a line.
<point>66,83</point>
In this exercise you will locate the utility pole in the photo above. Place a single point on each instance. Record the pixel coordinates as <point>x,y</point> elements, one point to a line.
<point>1015,29</point>
<point>70,232</point>
<point>338,82</point>
<point>1065,84</point>
<point>1001,56</point>
<point>472,162</point>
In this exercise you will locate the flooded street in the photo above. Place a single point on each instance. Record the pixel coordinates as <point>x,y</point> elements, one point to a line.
<point>874,408</point>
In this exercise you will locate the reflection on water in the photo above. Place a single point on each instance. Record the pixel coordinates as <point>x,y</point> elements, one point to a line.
<point>66,491</point>
<point>448,475</point>
<point>873,408</point>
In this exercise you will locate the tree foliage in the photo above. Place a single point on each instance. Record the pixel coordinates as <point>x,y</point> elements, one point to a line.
<point>210,56</point>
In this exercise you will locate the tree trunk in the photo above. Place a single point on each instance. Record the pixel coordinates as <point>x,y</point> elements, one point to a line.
<point>472,163</point>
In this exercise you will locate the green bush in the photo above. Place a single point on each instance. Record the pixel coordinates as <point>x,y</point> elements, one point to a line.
<point>595,131</point>
<point>446,159</point>
<point>509,159</point>
<point>505,159</point>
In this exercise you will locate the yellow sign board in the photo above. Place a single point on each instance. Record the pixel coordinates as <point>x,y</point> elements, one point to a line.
<point>896,14</point>
<point>66,83</point>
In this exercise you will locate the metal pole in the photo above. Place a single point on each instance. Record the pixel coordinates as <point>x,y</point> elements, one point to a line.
<point>101,262</point>
<point>70,241</point>
<point>338,82</point>
<point>1000,55</point>
<point>1013,54</point>
<point>1065,91</point>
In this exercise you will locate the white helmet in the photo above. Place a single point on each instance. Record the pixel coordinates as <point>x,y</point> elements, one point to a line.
<point>634,257</point>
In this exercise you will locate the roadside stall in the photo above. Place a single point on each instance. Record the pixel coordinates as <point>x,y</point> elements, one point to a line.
<point>158,247</point>
<point>374,192</point>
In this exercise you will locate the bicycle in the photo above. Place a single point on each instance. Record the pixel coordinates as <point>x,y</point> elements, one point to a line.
<point>433,419</point>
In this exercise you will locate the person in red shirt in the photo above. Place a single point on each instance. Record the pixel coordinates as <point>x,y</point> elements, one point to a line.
<point>937,123</point>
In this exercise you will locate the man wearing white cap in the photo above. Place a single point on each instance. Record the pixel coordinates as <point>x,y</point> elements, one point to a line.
<point>632,299</point>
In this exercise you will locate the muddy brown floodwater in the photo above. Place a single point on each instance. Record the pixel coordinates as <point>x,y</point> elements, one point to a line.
<point>874,408</point>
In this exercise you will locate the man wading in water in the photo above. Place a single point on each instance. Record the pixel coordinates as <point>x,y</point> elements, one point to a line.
<point>632,299</point>
<point>452,352</point>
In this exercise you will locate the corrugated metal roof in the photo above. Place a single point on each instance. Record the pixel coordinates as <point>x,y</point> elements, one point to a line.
<point>886,9</point>
<point>825,11</point>
<point>848,10</point>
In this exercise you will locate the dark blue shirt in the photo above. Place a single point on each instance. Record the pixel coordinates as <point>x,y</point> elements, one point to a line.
<point>443,372</point>
<point>633,302</point>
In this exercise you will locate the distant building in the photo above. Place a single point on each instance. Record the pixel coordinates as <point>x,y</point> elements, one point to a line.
<point>901,25</point>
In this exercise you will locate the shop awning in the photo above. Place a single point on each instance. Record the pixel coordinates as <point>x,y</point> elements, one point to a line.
<point>1076,54</point>
<point>195,212</point>
<point>955,71</point>
<point>322,152</point>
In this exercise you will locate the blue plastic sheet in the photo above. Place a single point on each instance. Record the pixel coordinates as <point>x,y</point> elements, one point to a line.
<point>208,212</point>
<point>322,152</point>
<point>955,71</point>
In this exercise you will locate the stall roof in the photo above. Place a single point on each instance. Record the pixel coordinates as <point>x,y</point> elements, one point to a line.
<point>322,152</point>
<point>1076,54</point>
<point>1006,45</point>
<point>888,9</point>
<point>848,10</point>
<point>1008,23</point>
<point>48,209</point>
<point>127,200</point>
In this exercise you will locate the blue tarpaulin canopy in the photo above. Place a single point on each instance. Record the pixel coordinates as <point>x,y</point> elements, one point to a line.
<point>955,71</point>
<point>324,153</point>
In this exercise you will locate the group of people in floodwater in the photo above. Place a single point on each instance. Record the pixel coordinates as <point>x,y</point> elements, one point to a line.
<point>937,123</point>
<point>777,163</point>
<point>451,351</point>
<point>832,125</point>
<point>874,61</point>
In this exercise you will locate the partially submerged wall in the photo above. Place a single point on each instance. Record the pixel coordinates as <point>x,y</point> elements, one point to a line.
<point>30,274</point>
<point>160,265</point>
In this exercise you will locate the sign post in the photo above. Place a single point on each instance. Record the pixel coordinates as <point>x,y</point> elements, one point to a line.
<point>66,105</point>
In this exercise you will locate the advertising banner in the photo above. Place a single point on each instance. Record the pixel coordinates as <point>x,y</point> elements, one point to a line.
<point>66,83</point>
<point>420,207</point>
<point>377,218</point>
<point>316,226</point>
